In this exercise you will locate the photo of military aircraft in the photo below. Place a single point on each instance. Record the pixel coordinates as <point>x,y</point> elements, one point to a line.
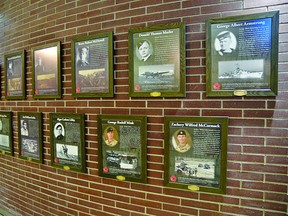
<point>154,74</point>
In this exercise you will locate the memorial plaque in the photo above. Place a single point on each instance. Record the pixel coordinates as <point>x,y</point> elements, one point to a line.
<point>6,133</point>
<point>122,147</point>
<point>15,87</point>
<point>242,55</point>
<point>196,153</point>
<point>157,64</point>
<point>46,69</point>
<point>30,136</point>
<point>92,60</point>
<point>67,141</point>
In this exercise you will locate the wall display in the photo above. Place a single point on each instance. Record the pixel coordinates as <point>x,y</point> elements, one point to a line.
<point>122,147</point>
<point>196,153</point>
<point>67,141</point>
<point>92,60</point>
<point>157,61</point>
<point>46,71</point>
<point>6,133</point>
<point>242,55</point>
<point>14,74</point>
<point>30,136</point>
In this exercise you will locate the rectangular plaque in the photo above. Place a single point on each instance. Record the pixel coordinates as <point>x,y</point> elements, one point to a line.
<point>46,76</point>
<point>15,87</point>
<point>196,153</point>
<point>157,61</point>
<point>6,133</point>
<point>67,141</point>
<point>242,55</point>
<point>122,147</point>
<point>30,136</point>
<point>92,60</point>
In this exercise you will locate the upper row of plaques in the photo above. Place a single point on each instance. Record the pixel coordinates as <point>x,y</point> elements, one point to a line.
<point>241,60</point>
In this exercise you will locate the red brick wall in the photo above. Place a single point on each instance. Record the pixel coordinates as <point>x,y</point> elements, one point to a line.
<point>258,143</point>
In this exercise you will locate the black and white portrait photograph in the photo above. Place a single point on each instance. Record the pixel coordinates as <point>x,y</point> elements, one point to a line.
<point>24,127</point>
<point>226,44</point>
<point>144,51</point>
<point>83,56</point>
<point>59,131</point>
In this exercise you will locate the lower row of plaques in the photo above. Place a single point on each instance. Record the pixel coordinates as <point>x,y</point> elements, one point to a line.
<point>195,148</point>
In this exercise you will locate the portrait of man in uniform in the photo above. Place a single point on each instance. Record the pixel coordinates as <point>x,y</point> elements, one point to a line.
<point>182,141</point>
<point>225,43</point>
<point>110,136</point>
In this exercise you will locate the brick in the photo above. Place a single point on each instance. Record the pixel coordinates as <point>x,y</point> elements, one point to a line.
<point>119,198</point>
<point>199,204</point>
<point>277,141</point>
<point>248,3</point>
<point>210,213</point>
<point>280,179</point>
<point>245,193</point>
<point>131,208</point>
<point>161,212</point>
<point>219,199</point>
<point>246,158</point>
<point>243,210</point>
<point>265,132</point>
<point>202,104</point>
<point>164,104</point>
<point>277,159</point>
<point>146,203</point>
<point>263,186</point>
<point>264,205</point>
<point>276,197</point>
<point>264,168</point>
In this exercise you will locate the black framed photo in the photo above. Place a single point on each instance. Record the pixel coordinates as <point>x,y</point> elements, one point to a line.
<point>30,136</point>
<point>46,71</point>
<point>92,60</point>
<point>14,75</point>
<point>157,64</point>
<point>67,137</point>
<point>6,133</point>
<point>196,153</point>
<point>242,55</point>
<point>122,147</point>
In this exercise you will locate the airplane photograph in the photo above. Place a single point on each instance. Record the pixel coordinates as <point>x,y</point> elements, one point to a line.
<point>148,74</point>
<point>157,74</point>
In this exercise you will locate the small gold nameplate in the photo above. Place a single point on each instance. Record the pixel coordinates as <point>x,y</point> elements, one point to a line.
<point>120,178</point>
<point>240,92</point>
<point>193,188</point>
<point>3,152</point>
<point>155,94</point>
<point>66,168</point>
<point>29,159</point>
